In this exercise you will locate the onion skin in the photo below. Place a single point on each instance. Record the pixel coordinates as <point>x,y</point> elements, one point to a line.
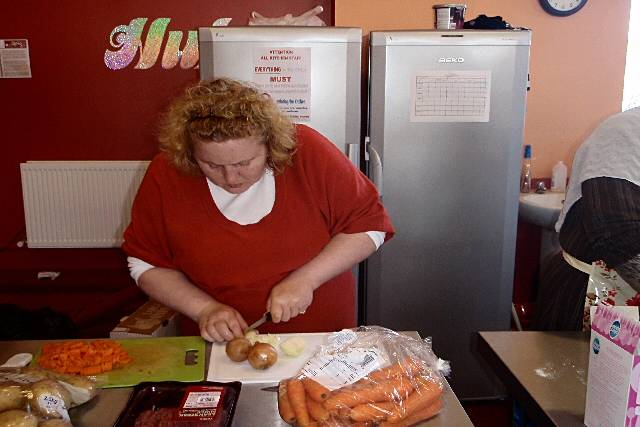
<point>262,355</point>
<point>238,349</point>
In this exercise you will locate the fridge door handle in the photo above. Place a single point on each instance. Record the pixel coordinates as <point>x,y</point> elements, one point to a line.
<point>353,152</point>
<point>375,168</point>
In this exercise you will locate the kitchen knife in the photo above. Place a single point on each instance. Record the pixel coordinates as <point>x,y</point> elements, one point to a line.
<point>260,321</point>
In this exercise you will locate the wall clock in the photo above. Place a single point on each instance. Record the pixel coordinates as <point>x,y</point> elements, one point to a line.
<point>562,7</point>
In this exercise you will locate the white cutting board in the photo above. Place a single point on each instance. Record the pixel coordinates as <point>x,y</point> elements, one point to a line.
<point>223,369</point>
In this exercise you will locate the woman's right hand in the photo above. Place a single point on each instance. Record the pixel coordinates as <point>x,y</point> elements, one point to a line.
<point>220,322</point>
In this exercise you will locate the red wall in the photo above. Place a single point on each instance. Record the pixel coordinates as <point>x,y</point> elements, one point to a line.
<point>74,107</point>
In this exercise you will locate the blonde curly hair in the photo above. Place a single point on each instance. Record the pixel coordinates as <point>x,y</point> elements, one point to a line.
<point>222,109</point>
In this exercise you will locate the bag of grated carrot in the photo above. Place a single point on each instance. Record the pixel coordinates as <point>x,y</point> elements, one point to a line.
<point>368,376</point>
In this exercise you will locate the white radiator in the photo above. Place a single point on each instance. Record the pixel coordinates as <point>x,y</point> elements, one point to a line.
<point>79,204</point>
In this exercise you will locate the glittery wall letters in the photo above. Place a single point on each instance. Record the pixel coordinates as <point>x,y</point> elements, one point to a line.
<point>151,48</point>
<point>127,40</point>
<point>188,57</point>
<point>190,54</point>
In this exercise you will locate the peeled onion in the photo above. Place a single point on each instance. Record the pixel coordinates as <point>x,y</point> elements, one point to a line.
<point>254,336</point>
<point>294,346</point>
<point>262,355</point>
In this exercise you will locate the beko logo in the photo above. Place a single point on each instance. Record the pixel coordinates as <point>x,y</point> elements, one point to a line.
<point>446,60</point>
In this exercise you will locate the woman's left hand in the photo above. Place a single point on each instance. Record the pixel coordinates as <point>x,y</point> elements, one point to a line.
<point>289,298</point>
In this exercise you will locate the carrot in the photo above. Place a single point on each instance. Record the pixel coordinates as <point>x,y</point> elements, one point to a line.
<point>342,412</point>
<point>423,414</point>
<point>372,411</point>
<point>315,390</point>
<point>427,392</point>
<point>79,357</point>
<point>331,422</point>
<point>90,370</point>
<point>396,388</point>
<point>298,400</point>
<point>409,367</point>
<point>284,406</point>
<point>317,411</point>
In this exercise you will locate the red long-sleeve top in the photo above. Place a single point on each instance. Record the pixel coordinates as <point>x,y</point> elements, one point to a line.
<point>175,224</point>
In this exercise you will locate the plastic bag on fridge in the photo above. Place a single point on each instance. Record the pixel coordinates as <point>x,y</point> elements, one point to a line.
<point>368,376</point>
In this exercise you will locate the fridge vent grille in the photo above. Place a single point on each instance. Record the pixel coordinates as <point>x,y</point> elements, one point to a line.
<point>79,204</point>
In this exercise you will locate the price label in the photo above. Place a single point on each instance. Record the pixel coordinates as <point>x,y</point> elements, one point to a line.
<point>337,370</point>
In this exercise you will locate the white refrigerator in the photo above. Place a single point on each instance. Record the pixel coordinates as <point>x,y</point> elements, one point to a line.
<point>446,125</point>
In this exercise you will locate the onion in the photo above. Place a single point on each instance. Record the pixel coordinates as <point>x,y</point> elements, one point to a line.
<point>237,349</point>
<point>262,355</point>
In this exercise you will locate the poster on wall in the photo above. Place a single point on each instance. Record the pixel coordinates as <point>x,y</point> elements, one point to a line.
<point>285,74</point>
<point>14,59</point>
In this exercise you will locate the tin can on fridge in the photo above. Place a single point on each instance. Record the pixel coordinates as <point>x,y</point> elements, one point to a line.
<point>450,16</point>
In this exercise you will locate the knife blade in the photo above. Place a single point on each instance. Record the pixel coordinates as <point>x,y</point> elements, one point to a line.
<point>266,317</point>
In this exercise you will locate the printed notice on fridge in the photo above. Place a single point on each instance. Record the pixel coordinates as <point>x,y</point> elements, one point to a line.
<point>451,96</point>
<point>285,74</point>
<point>14,59</point>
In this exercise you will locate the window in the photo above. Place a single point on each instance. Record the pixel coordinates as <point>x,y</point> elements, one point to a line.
<point>631,93</point>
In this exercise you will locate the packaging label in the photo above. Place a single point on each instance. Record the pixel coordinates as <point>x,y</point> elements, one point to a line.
<point>53,405</point>
<point>336,366</point>
<point>613,381</point>
<point>200,403</point>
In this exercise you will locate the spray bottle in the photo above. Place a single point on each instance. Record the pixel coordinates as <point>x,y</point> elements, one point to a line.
<point>525,177</point>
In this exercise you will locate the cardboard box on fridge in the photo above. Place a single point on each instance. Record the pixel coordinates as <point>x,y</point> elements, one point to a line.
<point>613,385</point>
<point>152,319</point>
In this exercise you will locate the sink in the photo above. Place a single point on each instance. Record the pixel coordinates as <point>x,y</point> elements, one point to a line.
<point>542,210</point>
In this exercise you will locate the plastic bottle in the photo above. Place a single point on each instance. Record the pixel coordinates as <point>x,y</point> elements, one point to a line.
<point>525,177</point>
<point>559,177</point>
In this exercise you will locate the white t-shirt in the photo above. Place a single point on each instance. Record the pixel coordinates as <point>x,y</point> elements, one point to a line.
<point>612,150</point>
<point>245,208</point>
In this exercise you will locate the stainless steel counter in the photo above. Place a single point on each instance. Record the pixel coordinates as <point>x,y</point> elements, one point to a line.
<point>546,372</point>
<point>255,406</point>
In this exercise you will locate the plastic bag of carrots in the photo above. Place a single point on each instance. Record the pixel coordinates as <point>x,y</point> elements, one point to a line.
<point>368,376</point>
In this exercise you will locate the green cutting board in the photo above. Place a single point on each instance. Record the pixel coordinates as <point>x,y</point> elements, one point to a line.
<point>157,359</point>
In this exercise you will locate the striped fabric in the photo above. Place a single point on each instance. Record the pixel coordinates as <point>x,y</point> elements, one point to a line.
<point>603,225</point>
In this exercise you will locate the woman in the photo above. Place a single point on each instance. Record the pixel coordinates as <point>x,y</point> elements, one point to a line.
<point>600,221</point>
<point>242,213</point>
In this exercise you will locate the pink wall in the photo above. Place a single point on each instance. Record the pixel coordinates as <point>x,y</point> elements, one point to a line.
<point>577,62</point>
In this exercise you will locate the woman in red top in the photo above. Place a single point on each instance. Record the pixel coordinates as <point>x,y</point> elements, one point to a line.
<point>242,212</point>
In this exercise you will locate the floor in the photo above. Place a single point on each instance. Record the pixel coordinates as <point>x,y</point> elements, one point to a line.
<point>489,413</point>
